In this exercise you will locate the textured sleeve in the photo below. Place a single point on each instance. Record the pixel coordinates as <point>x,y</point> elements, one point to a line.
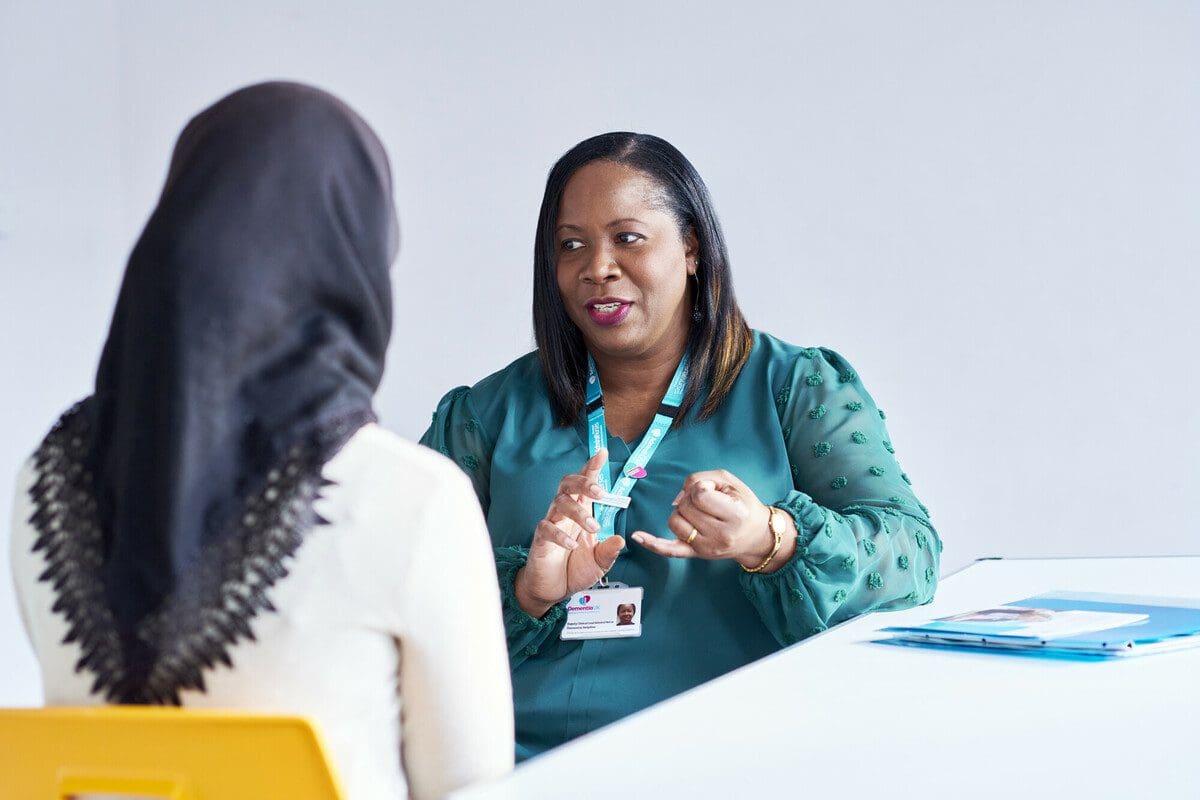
<point>458,433</point>
<point>865,542</point>
<point>455,687</point>
<point>525,633</point>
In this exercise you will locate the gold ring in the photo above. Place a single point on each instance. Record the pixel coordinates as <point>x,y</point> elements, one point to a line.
<point>692,536</point>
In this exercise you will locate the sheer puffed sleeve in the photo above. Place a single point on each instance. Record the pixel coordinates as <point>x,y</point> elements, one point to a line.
<point>457,433</point>
<point>865,541</point>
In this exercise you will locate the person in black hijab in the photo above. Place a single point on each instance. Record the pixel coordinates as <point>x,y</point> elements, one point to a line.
<point>247,343</point>
<point>222,523</point>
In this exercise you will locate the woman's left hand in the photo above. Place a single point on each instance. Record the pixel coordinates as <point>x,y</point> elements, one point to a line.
<point>717,516</point>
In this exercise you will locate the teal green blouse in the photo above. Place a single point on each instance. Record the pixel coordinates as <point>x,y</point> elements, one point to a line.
<point>798,428</point>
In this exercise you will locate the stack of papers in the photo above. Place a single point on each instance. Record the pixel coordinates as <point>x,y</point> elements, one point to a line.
<point>1076,623</point>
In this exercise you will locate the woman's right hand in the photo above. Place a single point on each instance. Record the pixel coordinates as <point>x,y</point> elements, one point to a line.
<point>565,557</point>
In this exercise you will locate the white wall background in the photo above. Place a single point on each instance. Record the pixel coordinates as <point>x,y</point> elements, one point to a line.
<point>990,208</point>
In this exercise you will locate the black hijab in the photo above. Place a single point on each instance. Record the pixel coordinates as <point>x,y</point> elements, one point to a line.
<point>246,346</point>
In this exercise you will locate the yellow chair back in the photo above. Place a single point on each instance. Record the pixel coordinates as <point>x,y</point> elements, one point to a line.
<point>153,752</point>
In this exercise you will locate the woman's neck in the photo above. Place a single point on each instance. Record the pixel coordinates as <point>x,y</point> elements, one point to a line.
<point>646,375</point>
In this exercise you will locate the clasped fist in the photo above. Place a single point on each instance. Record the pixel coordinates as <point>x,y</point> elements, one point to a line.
<point>715,516</point>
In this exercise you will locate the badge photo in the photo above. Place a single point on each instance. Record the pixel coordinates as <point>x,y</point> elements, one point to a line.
<point>614,612</point>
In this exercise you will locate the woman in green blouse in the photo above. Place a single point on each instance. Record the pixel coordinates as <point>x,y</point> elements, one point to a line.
<point>773,508</point>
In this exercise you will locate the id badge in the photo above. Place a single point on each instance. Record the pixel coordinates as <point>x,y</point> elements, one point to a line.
<point>613,612</point>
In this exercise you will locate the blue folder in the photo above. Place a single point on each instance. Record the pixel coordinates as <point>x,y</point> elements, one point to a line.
<point>1168,624</point>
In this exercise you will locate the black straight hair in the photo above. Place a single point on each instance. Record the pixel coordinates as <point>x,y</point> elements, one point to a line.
<point>718,344</point>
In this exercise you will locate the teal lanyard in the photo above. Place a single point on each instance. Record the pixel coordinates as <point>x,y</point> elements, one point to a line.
<point>635,467</point>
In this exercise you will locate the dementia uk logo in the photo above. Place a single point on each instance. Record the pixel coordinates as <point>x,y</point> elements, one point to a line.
<point>581,603</point>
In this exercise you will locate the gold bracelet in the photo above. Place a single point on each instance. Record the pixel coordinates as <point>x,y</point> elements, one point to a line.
<point>775,529</point>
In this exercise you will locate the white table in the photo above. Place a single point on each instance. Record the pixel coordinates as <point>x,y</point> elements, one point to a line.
<point>838,717</point>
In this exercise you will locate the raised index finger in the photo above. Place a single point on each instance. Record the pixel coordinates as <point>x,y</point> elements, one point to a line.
<point>591,470</point>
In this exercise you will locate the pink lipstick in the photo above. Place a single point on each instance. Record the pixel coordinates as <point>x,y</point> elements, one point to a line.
<point>608,310</point>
